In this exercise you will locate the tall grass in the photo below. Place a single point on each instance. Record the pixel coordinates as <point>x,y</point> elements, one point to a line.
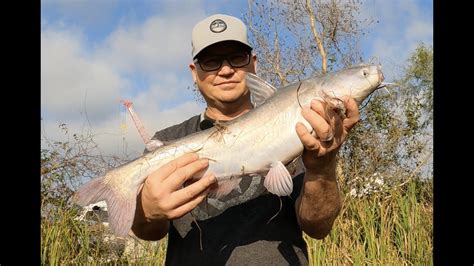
<point>393,228</point>
<point>65,241</point>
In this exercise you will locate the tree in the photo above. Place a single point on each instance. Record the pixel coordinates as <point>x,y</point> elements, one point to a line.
<point>67,164</point>
<point>298,39</point>
<point>303,38</point>
<point>394,136</point>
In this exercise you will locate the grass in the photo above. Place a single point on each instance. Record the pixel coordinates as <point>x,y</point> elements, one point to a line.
<point>394,228</point>
<point>391,228</point>
<point>67,241</point>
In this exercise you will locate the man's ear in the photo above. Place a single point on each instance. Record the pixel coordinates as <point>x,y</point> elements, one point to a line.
<point>192,67</point>
<point>254,59</point>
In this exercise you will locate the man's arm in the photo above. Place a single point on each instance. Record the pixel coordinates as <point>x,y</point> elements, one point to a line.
<point>148,228</point>
<point>163,197</point>
<point>319,201</point>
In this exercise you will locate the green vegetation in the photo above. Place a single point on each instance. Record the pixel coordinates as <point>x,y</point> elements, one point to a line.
<point>387,228</point>
<point>66,241</point>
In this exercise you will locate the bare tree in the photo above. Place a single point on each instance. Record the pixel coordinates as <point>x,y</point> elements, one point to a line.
<point>300,38</point>
<point>296,39</point>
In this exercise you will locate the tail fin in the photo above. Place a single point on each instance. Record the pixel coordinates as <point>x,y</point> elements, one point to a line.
<point>120,206</point>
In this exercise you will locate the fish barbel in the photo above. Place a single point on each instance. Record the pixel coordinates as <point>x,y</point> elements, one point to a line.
<point>260,142</point>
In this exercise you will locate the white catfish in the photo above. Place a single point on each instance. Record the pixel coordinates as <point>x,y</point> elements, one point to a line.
<point>262,141</point>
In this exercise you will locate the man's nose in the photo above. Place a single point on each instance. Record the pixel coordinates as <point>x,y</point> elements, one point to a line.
<point>226,68</point>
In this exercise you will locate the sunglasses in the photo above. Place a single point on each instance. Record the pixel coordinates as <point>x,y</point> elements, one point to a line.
<point>214,62</point>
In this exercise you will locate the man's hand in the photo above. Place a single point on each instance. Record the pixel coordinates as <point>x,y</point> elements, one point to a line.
<point>164,197</point>
<point>319,202</point>
<point>163,194</point>
<point>329,131</point>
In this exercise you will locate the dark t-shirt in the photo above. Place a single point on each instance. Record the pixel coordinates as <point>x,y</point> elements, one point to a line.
<point>242,234</point>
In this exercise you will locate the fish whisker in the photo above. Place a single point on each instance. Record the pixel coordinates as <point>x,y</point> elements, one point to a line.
<point>387,84</point>
<point>366,102</point>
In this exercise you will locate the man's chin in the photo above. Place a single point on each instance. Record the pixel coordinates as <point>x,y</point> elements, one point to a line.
<point>230,100</point>
<point>231,96</point>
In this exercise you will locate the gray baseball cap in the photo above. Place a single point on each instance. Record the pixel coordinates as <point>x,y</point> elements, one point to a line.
<point>217,28</point>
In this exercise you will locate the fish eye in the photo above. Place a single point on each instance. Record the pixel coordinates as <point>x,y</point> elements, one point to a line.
<point>365,72</point>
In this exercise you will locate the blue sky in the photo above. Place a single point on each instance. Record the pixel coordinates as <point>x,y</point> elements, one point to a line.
<point>95,53</point>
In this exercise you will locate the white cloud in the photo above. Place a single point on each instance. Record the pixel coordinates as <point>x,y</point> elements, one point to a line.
<point>118,135</point>
<point>161,43</point>
<point>155,121</point>
<point>86,12</point>
<point>402,26</point>
<point>388,54</point>
<point>80,78</point>
<point>420,30</point>
<point>72,83</point>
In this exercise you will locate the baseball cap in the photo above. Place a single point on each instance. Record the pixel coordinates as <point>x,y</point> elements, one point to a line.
<point>217,28</point>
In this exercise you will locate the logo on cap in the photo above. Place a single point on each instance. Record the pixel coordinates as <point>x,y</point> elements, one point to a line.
<point>217,26</point>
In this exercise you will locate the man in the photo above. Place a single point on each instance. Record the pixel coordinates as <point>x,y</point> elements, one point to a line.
<point>250,225</point>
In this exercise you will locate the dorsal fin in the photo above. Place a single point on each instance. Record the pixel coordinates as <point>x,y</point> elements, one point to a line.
<point>260,90</point>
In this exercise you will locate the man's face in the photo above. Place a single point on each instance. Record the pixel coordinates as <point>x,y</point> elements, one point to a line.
<point>226,84</point>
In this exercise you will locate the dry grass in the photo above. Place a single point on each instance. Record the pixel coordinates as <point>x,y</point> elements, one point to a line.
<point>392,228</point>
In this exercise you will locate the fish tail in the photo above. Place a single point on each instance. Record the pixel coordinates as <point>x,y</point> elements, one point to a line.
<point>120,206</point>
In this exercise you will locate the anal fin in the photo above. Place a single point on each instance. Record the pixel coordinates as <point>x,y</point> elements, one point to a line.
<point>225,187</point>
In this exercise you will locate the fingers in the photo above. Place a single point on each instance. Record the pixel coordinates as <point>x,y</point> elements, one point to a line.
<point>308,140</point>
<point>352,114</point>
<point>163,194</point>
<point>323,122</point>
<point>166,170</point>
<point>187,207</point>
<point>184,173</point>
<point>190,193</point>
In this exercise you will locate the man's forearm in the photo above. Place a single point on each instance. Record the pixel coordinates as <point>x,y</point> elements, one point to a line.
<point>319,202</point>
<point>150,230</point>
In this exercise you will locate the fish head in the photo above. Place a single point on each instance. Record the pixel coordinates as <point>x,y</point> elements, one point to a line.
<point>357,82</point>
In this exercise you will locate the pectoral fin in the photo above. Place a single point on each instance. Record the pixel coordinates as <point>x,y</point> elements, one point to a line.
<point>278,180</point>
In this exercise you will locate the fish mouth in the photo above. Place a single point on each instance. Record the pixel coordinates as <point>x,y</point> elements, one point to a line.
<point>386,84</point>
<point>381,86</point>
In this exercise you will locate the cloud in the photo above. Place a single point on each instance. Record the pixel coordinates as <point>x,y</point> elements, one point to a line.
<point>118,135</point>
<point>71,82</point>
<point>160,43</point>
<point>401,26</point>
<point>420,30</point>
<point>83,80</point>
<point>84,12</point>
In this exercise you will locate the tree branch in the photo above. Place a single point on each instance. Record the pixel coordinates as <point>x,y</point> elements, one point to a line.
<point>317,39</point>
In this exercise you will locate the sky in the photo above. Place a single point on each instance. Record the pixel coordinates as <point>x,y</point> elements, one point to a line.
<point>96,53</point>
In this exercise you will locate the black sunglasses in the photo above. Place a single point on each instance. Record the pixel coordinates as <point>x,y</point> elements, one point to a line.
<point>214,62</point>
